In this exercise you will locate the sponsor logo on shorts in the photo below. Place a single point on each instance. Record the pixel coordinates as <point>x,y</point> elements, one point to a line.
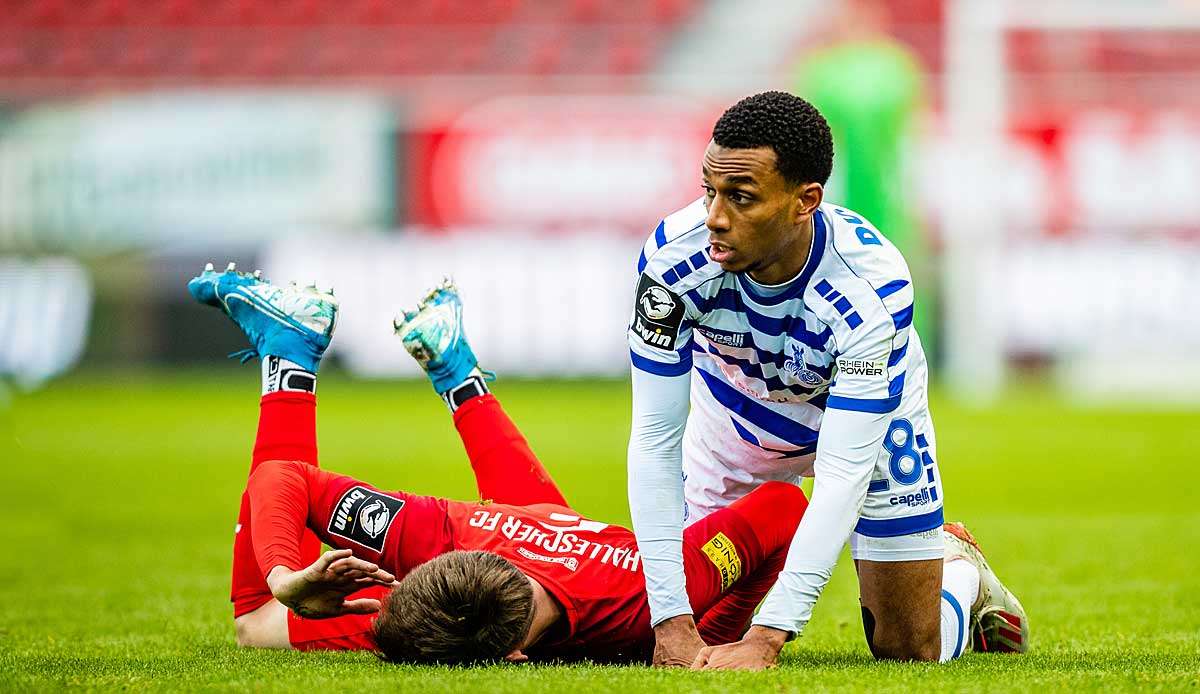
<point>658,314</point>
<point>862,367</point>
<point>915,499</point>
<point>363,516</point>
<point>724,556</point>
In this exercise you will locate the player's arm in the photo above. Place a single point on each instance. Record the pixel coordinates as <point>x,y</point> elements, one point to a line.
<point>660,355</point>
<point>264,627</point>
<point>852,430</point>
<point>846,453</point>
<point>286,497</point>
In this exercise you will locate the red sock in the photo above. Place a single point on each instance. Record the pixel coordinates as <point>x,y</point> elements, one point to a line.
<point>287,430</point>
<point>506,470</point>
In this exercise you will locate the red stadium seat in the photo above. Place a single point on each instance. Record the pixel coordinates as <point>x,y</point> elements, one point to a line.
<point>73,55</point>
<point>46,13</point>
<point>14,58</point>
<point>629,55</point>
<point>179,13</point>
<point>202,40</point>
<point>546,56</point>
<point>204,55</point>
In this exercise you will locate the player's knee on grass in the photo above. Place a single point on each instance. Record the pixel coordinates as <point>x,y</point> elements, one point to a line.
<point>459,608</point>
<point>898,643</point>
<point>901,603</point>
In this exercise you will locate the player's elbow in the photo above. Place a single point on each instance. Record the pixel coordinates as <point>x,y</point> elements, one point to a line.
<point>265,627</point>
<point>245,633</point>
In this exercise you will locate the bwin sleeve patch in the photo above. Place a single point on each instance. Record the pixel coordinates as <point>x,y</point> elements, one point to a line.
<point>363,517</point>
<point>658,314</point>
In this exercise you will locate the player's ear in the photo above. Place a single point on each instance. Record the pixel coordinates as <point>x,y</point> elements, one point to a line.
<point>516,656</point>
<point>808,199</point>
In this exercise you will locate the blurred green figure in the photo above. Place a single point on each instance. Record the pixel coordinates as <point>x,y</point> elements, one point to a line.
<point>870,88</point>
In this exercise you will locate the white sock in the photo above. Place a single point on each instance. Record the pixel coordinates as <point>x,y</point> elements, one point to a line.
<point>960,588</point>
<point>281,374</point>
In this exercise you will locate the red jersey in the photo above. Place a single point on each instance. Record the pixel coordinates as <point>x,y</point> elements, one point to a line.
<point>593,569</point>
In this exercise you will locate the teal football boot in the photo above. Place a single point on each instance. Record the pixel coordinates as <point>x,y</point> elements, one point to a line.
<point>293,323</point>
<point>433,335</point>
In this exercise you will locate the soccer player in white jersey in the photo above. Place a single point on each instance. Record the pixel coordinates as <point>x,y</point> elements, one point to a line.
<point>784,321</point>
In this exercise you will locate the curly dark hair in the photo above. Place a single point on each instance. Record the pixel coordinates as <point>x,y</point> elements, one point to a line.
<point>791,126</point>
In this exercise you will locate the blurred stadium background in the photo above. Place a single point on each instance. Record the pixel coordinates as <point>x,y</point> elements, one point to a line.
<point>1037,160</point>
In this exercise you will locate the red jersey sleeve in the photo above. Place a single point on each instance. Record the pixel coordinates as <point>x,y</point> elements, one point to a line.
<point>396,530</point>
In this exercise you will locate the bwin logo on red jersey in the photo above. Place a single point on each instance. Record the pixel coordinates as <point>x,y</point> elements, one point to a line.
<point>363,516</point>
<point>374,518</point>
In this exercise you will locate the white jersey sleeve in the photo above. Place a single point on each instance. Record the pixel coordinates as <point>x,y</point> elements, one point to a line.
<point>846,452</point>
<point>870,350</point>
<point>660,329</point>
<point>660,350</point>
<point>660,408</point>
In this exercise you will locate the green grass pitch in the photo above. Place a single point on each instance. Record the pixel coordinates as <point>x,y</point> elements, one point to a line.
<point>120,490</point>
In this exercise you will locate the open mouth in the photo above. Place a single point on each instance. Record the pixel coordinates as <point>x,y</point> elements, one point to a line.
<point>719,252</point>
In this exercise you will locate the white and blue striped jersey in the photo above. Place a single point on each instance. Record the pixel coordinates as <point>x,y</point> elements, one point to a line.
<point>770,357</point>
<point>778,361</point>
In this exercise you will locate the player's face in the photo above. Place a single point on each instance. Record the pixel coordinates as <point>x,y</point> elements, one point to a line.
<point>753,212</point>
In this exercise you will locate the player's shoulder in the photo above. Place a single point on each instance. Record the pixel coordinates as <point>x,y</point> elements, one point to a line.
<point>862,282</point>
<point>856,248</point>
<point>676,254</point>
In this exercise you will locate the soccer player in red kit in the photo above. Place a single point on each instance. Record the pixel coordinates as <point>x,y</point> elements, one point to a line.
<point>570,587</point>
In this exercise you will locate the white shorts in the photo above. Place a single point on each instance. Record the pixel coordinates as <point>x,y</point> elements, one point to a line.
<point>915,547</point>
<point>901,518</point>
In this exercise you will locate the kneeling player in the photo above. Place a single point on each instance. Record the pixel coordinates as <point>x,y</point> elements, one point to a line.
<point>535,579</point>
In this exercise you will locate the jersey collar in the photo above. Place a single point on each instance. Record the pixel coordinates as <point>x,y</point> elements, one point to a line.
<point>800,282</point>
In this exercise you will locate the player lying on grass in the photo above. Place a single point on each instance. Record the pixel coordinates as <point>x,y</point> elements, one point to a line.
<point>518,576</point>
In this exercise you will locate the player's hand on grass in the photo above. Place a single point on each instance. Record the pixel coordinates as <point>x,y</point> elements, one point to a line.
<point>676,642</point>
<point>320,590</point>
<point>758,650</point>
